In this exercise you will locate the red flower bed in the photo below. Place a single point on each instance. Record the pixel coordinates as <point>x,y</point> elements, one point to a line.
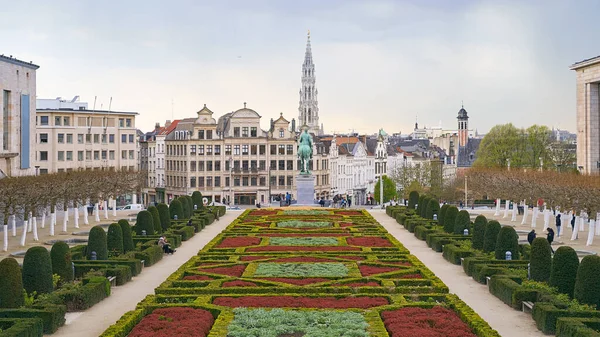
<point>301,235</point>
<point>254,257</point>
<point>301,302</point>
<point>301,248</point>
<point>369,241</point>
<point>400,263</point>
<point>236,270</point>
<point>411,276</point>
<point>347,224</point>
<point>358,284</point>
<point>367,270</point>
<point>434,322</point>
<point>262,212</point>
<point>238,283</point>
<point>235,242</point>
<point>304,259</point>
<point>355,258</point>
<point>197,278</point>
<point>174,322</point>
<point>348,213</point>
<point>296,281</point>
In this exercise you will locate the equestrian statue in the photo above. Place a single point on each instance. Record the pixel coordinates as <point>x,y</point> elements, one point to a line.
<point>305,148</point>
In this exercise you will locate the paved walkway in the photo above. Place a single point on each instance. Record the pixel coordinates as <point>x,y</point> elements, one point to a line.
<point>507,321</point>
<point>124,298</point>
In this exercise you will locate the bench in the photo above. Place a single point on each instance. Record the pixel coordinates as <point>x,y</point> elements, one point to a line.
<point>112,280</point>
<point>527,306</point>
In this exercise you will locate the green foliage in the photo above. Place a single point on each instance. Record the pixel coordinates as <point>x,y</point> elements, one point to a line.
<point>176,208</point>
<point>127,239</point>
<point>37,271</point>
<point>97,243</point>
<point>389,190</point>
<point>197,199</point>
<point>301,270</point>
<point>60,255</point>
<point>479,231</point>
<point>423,209</point>
<point>508,240</point>
<point>11,284</point>
<point>303,224</point>
<point>462,222</point>
<point>144,222</point>
<point>185,206</point>
<point>420,203</point>
<point>450,219</point>
<point>540,260</point>
<point>587,287</point>
<point>165,217</point>
<point>155,219</point>
<point>114,239</point>
<point>432,208</point>
<point>564,269</point>
<point>491,236</point>
<point>190,204</point>
<point>304,322</point>
<point>413,199</point>
<point>305,241</point>
<point>442,215</point>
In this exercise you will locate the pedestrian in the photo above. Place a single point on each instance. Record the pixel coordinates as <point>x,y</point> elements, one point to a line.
<point>573,221</point>
<point>349,201</point>
<point>531,236</point>
<point>558,224</point>
<point>550,238</point>
<point>322,202</point>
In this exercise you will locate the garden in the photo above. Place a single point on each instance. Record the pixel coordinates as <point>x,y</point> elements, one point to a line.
<point>561,292</point>
<point>294,273</point>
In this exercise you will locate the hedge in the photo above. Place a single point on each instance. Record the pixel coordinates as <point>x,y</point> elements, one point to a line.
<point>53,316</point>
<point>82,296</point>
<point>508,240</point>
<point>587,287</point>
<point>165,218</point>
<point>150,255</point>
<point>564,270</point>
<point>155,219</point>
<point>114,239</point>
<point>186,232</point>
<point>491,236</point>
<point>420,204</point>
<point>413,199</point>
<point>442,214</point>
<point>432,208</point>
<point>60,255</point>
<point>122,273</point>
<point>144,222</point>
<point>546,315</point>
<point>134,264</point>
<point>190,204</point>
<point>37,271</point>
<point>423,208</point>
<point>479,231</point>
<point>503,287</point>
<point>541,260</point>
<point>462,222</point>
<point>450,218</point>
<point>577,327</point>
<point>186,207</point>
<point>11,284</point>
<point>176,209</point>
<point>22,327</point>
<point>454,253</point>
<point>126,231</point>
<point>197,199</point>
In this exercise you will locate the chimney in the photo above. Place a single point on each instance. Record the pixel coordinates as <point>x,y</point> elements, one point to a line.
<point>157,126</point>
<point>272,125</point>
<point>167,123</point>
<point>293,125</point>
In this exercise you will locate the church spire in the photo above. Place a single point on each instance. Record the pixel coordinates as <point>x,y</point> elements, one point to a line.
<point>308,110</point>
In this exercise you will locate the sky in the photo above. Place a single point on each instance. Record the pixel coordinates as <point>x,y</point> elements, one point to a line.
<point>378,63</point>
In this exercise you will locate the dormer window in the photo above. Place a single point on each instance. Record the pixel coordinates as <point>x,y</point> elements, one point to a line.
<point>281,133</point>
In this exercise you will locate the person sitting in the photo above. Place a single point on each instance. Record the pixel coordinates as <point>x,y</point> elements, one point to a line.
<point>189,222</point>
<point>166,247</point>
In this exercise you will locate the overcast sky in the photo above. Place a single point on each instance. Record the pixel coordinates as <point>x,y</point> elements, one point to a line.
<point>378,63</point>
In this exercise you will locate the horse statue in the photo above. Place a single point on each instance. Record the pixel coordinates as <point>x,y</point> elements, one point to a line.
<point>305,145</point>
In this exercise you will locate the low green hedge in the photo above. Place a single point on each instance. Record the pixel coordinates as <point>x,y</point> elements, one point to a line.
<point>21,327</point>
<point>122,273</point>
<point>174,239</point>
<point>454,254</point>
<point>577,327</point>
<point>81,296</point>
<point>125,324</point>
<point>483,270</point>
<point>150,255</point>
<point>186,232</point>
<point>134,264</point>
<point>470,263</point>
<point>479,326</point>
<point>53,316</point>
<point>503,287</point>
<point>421,232</point>
<point>438,242</point>
<point>546,316</point>
<point>78,252</point>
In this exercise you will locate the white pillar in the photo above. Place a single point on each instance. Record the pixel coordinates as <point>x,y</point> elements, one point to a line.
<point>24,235</point>
<point>582,220</point>
<point>134,198</point>
<point>29,227</point>
<point>497,207</point>
<point>525,211</point>
<point>590,238</point>
<point>105,205</point>
<point>514,212</point>
<point>65,220</point>
<point>506,203</point>
<point>534,217</point>
<point>546,219</point>
<point>597,223</point>
<point>14,225</point>
<point>97,212</point>
<point>35,232</point>
<point>5,246</point>
<point>76,216</point>
<point>86,221</point>
<point>575,229</point>
<point>52,219</point>
<point>114,207</point>
<point>43,218</point>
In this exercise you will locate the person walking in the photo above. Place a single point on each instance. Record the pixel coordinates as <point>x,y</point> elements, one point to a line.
<point>550,238</point>
<point>558,224</point>
<point>531,236</point>
<point>573,221</point>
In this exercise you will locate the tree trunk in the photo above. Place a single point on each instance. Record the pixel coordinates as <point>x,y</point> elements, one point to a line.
<point>44,218</point>
<point>534,216</point>
<point>114,207</point>
<point>65,220</point>
<point>525,211</point>
<point>590,238</point>
<point>30,227</point>
<point>76,215</point>
<point>14,225</point>
<point>105,209</point>
<point>514,212</point>
<point>498,201</point>
<point>24,235</point>
<point>35,231</point>
<point>5,246</point>
<point>506,204</point>
<point>86,221</point>
<point>97,215</point>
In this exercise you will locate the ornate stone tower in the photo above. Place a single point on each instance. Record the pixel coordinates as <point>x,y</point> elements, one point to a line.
<point>308,110</point>
<point>463,127</point>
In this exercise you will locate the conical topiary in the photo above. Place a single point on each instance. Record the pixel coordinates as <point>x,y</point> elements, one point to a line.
<point>165,217</point>
<point>62,266</point>
<point>587,287</point>
<point>11,284</point>
<point>479,231</point>
<point>114,239</point>
<point>564,270</point>
<point>442,214</point>
<point>541,260</point>
<point>197,199</point>
<point>508,240</point>
<point>127,239</point>
<point>190,204</point>
<point>97,243</point>
<point>433,207</point>
<point>462,222</point>
<point>491,236</point>
<point>37,271</point>
<point>185,206</point>
<point>450,218</point>
<point>155,219</point>
<point>421,203</point>
<point>144,222</point>
<point>175,208</point>
<point>413,199</point>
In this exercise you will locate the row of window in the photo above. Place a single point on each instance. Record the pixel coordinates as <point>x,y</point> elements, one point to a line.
<point>243,149</point>
<point>236,131</point>
<point>97,155</point>
<point>84,121</point>
<point>61,138</point>
<point>204,181</point>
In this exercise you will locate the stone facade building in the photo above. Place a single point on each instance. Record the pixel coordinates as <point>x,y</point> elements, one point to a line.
<point>308,110</point>
<point>588,114</point>
<point>17,144</point>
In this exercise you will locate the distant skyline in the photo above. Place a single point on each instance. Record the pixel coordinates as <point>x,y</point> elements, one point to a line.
<point>378,63</point>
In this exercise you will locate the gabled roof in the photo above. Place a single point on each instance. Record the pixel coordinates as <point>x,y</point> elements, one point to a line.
<point>170,128</point>
<point>468,154</point>
<point>281,119</point>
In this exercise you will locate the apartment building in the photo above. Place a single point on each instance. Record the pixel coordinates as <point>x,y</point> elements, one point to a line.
<point>72,137</point>
<point>18,88</point>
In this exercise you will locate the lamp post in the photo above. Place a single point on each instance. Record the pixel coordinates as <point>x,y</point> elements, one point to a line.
<point>466,192</point>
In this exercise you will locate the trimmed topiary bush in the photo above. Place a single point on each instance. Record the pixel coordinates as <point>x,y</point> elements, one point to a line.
<point>420,203</point>
<point>190,203</point>
<point>165,217</point>
<point>423,210</point>
<point>60,254</point>
<point>450,218</point>
<point>155,219</point>
<point>175,208</point>
<point>127,239</point>
<point>144,222</point>
<point>413,199</point>
<point>462,222</point>
<point>185,206</point>
<point>442,214</point>
<point>564,270</point>
<point>97,243</point>
<point>479,231</point>
<point>114,239</point>
<point>433,207</point>
<point>508,240</point>
<point>37,271</point>
<point>11,284</point>
<point>587,287</point>
<point>541,260</point>
<point>491,236</point>
<point>197,199</point>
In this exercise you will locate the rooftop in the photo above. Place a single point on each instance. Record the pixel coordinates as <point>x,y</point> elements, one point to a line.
<point>13,60</point>
<point>585,63</point>
<point>89,111</point>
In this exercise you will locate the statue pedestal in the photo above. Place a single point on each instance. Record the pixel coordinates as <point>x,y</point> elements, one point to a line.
<point>305,193</point>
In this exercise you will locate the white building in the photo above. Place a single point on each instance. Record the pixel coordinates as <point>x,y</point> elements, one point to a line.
<point>17,145</point>
<point>352,168</point>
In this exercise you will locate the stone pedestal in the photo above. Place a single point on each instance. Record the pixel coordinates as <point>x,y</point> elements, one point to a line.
<point>305,193</point>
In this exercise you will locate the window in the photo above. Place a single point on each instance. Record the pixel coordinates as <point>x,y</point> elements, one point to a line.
<point>200,181</point>
<point>123,154</point>
<point>131,154</point>
<point>273,165</point>
<point>43,120</point>
<point>201,165</point>
<point>96,139</point>
<point>217,150</point>
<point>253,131</point>
<point>111,138</point>
<point>193,182</point>
<point>261,165</point>
<point>244,181</point>
<point>70,155</point>
<point>217,165</point>
<point>208,134</point>
<point>104,152</point>
<point>57,120</point>
<point>80,155</point>
<point>61,155</point>
<point>253,181</point>
<point>226,181</point>
<point>281,165</point>
<point>290,149</point>
<point>66,121</point>
<point>193,166</point>
<point>131,139</point>
<point>262,149</point>
<point>121,122</point>
<point>281,149</point>
<point>88,138</point>
<point>43,138</point>
<point>236,131</point>
<point>43,155</point>
<point>290,165</point>
<point>245,131</point>
<point>123,138</point>
<point>69,138</point>
<point>88,155</point>
<point>111,155</point>
<point>96,155</point>
<point>281,133</point>
<point>227,150</point>
<point>208,181</point>
<point>200,134</point>
<point>290,180</point>
<point>61,138</point>
<point>103,138</point>
<point>200,150</point>
<point>128,122</point>
<point>281,180</point>
<point>273,181</point>
<point>236,181</point>
<point>236,150</point>
<point>193,149</point>
<point>80,138</point>
<point>273,149</point>
<point>245,149</point>
<point>217,181</point>
<point>43,171</point>
<point>263,181</point>
<point>209,150</point>
<point>209,165</point>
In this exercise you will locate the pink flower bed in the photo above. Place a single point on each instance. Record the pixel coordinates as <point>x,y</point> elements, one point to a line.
<point>235,242</point>
<point>197,278</point>
<point>236,270</point>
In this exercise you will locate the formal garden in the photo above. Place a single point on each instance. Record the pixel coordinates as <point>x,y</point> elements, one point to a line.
<point>561,292</point>
<point>293,273</point>
<point>35,297</point>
